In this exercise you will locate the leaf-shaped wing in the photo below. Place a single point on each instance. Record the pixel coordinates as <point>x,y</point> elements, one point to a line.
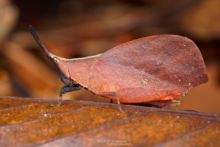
<point>159,67</point>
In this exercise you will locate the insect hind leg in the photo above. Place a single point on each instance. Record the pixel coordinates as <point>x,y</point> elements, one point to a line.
<point>66,89</point>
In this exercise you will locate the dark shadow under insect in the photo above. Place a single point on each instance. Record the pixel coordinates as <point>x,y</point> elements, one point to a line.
<point>70,85</point>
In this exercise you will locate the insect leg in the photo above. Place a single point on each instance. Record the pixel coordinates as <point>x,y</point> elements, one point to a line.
<point>114,94</point>
<point>119,104</point>
<point>67,88</point>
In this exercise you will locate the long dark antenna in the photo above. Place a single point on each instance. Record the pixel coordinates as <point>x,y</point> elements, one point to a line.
<point>39,42</point>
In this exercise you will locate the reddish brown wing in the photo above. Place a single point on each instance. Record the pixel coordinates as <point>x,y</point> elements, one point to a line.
<point>160,67</point>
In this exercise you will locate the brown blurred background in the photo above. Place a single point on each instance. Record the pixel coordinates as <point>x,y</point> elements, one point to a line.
<point>87,27</point>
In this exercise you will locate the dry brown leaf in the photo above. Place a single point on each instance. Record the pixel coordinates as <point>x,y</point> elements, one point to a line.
<point>8,16</point>
<point>203,22</point>
<point>31,71</point>
<point>28,122</point>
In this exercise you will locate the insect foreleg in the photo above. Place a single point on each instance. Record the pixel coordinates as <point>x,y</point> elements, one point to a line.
<point>67,88</point>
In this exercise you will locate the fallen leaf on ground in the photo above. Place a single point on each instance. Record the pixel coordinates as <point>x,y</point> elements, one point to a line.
<point>28,122</point>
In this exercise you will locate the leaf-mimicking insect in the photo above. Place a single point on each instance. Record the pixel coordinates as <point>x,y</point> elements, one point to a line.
<point>148,69</point>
